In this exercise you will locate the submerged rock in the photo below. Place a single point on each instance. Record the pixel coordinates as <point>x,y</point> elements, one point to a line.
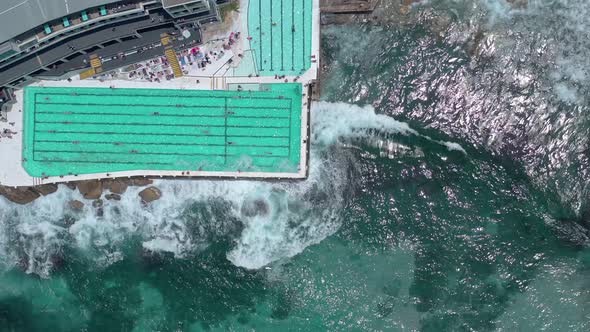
<point>141,182</point>
<point>91,189</point>
<point>97,203</point>
<point>114,197</point>
<point>76,205</point>
<point>518,4</point>
<point>257,207</point>
<point>117,186</point>
<point>19,195</point>
<point>150,194</point>
<point>46,189</point>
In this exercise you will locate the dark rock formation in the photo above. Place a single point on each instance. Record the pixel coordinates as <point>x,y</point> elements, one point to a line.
<point>19,195</point>
<point>91,189</point>
<point>141,182</point>
<point>114,197</point>
<point>150,194</point>
<point>76,205</point>
<point>46,189</point>
<point>257,207</point>
<point>118,186</point>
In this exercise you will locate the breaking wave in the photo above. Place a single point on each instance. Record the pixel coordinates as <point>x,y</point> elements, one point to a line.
<point>264,221</point>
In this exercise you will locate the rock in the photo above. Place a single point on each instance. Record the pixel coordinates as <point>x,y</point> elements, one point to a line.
<point>141,182</point>
<point>99,212</point>
<point>70,185</point>
<point>518,4</point>
<point>46,189</point>
<point>76,205</point>
<point>19,195</point>
<point>68,221</point>
<point>404,10</point>
<point>117,186</point>
<point>114,197</point>
<point>150,194</point>
<point>97,203</point>
<point>91,189</point>
<point>257,207</point>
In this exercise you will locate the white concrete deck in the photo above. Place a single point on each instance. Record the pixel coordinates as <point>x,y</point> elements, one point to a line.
<point>13,174</point>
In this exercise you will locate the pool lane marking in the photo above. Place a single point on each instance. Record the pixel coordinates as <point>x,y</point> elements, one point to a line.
<point>271,40</point>
<point>293,34</point>
<point>154,134</point>
<point>165,115</point>
<point>282,41</point>
<point>260,31</point>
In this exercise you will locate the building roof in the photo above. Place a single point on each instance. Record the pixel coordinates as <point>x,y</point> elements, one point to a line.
<point>18,16</point>
<point>171,3</point>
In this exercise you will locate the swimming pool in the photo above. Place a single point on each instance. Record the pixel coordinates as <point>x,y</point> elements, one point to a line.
<point>97,130</point>
<point>280,32</point>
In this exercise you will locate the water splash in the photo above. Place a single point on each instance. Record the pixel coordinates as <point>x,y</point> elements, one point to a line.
<point>268,221</point>
<point>336,121</point>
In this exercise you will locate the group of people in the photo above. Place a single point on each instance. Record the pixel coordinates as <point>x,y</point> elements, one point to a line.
<point>191,60</point>
<point>7,133</point>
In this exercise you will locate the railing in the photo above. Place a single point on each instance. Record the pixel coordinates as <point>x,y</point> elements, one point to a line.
<point>93,16</point>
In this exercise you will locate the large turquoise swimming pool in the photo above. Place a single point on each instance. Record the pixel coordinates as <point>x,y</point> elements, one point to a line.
<point>100,130</point>
<point>280,32</point>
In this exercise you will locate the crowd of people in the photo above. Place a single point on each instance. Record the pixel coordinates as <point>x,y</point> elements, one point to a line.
<point>192,61</point>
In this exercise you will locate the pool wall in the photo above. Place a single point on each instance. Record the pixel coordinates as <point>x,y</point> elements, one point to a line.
<point>97,130</point>
<point>280,34</point>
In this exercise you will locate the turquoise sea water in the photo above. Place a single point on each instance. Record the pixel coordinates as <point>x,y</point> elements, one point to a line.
<point>459,201</point>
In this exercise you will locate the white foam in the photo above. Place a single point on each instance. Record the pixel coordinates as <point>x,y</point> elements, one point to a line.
<point>563,24</point>
<point>566,93</point>
<point>32,236</point>
<point>334,121</point>
<point>192,213</point>
<point>293,223</point>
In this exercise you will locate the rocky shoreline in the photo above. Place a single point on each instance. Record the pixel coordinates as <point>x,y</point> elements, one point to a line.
<point>94,190</point>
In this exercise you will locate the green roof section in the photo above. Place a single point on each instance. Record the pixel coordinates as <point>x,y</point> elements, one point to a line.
<point>280,32</point>
<point>72,131</point>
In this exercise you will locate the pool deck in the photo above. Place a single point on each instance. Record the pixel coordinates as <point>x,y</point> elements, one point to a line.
<point>12,172</point>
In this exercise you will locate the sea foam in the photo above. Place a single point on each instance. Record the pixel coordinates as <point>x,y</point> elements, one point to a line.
<point>287,216</point>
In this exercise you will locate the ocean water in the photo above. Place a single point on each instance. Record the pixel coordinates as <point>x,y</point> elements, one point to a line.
<point>449,191</point>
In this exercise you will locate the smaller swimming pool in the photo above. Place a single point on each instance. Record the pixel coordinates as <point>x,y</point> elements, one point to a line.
<point>280,35</point>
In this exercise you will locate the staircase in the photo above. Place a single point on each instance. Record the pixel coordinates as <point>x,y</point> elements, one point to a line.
<point>95,63</point>
<point>173,61</point>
